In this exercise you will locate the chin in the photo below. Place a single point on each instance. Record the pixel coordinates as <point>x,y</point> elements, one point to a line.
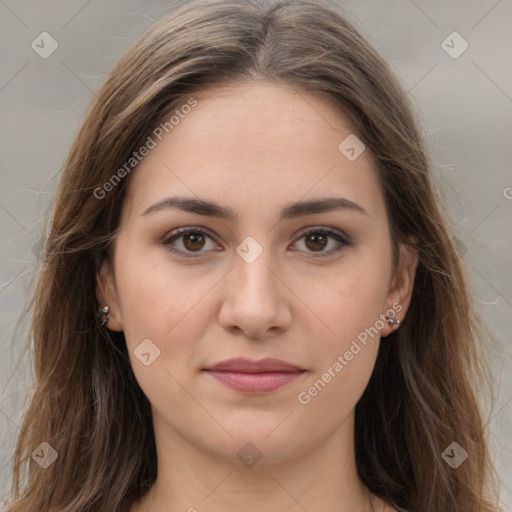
<point>260,443</point>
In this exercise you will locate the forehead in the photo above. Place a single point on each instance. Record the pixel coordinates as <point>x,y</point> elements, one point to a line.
<point>255,143</point>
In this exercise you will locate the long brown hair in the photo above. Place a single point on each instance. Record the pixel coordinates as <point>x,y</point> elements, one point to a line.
<point>424,392</point>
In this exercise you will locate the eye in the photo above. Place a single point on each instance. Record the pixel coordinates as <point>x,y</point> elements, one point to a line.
<point>189,241</point>
<point>317,240</point>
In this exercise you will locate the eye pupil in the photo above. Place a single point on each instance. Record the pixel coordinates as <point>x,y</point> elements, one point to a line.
<point>196,239</point>
<point>319,241</point>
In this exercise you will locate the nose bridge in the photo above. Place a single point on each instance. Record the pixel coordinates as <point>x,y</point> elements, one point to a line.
<point>252,278</point>
<point>254,301</point>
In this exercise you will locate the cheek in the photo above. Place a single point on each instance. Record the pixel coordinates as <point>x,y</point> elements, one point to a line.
<point>159,301</point>
<point>353,296</point>
<point>351,305</point>
<point>343,362</point>
<point>162,323</point>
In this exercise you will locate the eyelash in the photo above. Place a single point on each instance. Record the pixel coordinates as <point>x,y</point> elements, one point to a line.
<point>180,232</point>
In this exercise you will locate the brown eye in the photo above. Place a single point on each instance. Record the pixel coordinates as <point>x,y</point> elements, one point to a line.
<point>193,241</point>
<point>316,241</point>
<point>189,242</point>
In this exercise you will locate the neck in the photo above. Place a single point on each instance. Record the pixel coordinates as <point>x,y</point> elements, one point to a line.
<point>193,480</point>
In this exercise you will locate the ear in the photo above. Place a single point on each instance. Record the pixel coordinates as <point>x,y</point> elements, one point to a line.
<point>401,286</point>
<point>106,294</point>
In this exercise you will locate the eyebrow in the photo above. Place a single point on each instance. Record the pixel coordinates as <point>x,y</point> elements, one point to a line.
<point>293,210</point>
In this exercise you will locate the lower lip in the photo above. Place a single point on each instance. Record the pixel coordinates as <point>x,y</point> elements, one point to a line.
<point>255,382</point>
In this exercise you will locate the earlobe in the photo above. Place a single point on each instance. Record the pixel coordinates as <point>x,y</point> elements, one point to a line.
<point>109,312</point>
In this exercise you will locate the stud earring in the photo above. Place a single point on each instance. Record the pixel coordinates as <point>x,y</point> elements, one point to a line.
<point>393,322</point>
<point>103,315</point>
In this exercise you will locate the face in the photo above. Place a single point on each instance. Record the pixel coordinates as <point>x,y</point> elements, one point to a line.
<point>249,233</point>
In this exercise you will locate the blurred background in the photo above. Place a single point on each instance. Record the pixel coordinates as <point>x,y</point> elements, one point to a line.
<point>454,58</point>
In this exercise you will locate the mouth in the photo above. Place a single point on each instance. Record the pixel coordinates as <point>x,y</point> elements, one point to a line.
<point>255,377</point>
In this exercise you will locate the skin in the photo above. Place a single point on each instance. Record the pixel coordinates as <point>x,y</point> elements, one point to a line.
<point>254,148</point>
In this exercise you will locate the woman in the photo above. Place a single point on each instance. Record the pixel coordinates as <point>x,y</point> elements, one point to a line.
<point>250,297</point>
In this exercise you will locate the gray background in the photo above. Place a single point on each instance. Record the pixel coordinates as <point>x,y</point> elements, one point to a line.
<point>465,104</point>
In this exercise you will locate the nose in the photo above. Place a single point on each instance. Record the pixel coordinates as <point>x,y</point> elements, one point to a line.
<point>256,302</point>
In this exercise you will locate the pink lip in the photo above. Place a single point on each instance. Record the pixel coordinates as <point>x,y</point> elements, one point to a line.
<point>260,376</point>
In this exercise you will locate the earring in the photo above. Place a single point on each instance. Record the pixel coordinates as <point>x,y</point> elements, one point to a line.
<point>394,323</point>
<point>103,316</point>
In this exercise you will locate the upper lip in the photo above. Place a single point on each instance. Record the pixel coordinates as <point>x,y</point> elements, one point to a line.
<point>243,365</point>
